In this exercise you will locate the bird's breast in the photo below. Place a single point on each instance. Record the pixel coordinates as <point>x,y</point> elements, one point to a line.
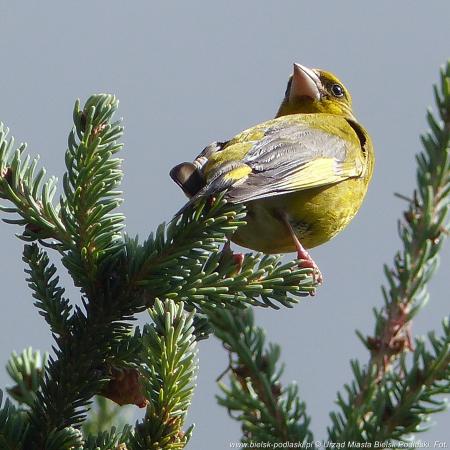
<point>316,215</point>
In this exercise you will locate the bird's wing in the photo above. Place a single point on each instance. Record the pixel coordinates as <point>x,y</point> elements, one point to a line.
<point>287,158</point>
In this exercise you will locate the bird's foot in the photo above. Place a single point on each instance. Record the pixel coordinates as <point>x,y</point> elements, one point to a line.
<point>308,263</point>
<point>237,258</point>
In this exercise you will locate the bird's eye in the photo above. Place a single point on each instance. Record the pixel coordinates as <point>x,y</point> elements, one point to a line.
<point>337,90</point>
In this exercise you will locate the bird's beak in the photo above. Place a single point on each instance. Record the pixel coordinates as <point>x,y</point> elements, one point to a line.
<point>305,82</point>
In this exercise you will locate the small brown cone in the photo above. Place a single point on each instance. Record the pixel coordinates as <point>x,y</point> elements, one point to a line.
<point>125,388</point>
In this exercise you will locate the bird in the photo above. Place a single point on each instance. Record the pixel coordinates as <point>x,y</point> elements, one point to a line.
<point>302,175</point>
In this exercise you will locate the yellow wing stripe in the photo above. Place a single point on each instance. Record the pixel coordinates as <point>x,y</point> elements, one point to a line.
<point>238,173</point>
<point>320,172</point>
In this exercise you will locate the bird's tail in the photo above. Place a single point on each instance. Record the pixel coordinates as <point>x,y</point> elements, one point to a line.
<point>191,181</point>
<point>188,177</point>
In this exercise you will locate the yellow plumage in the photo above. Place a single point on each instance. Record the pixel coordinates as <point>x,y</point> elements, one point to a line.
<point>302,175</point>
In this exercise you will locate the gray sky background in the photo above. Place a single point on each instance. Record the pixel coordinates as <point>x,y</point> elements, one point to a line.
<point>188,73</point>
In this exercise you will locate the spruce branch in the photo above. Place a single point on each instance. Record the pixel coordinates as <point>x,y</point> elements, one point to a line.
<point>186,242</point>
<point>81,364</point>
<point>169,370</point>
<point>182,262</point>
<point>268,412</point>
<point>46,290</point>
<point>31,195</point>
<point>106,440</point>
<point>422,231</point>
<point>393,408</point>
<point>13,426</point>
<point>64,439</point>
<point>262,280</point>
<point>27,372</point>
<point>372,409</point>
<point>202,327</point>
<point>418,393</point>
<point>92,176</point>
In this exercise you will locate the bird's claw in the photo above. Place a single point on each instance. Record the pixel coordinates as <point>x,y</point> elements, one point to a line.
<point>310,264</point>
<point>237,258</point>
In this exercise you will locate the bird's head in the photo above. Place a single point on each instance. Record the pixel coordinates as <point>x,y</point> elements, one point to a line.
<point>315,91</point>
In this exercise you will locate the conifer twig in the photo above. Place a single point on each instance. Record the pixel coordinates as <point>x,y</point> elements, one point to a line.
<point>170,357</point>
<point>182,262</point>
<point>369,413</point>
<point>267,411</point>
<point>79,368</point>
<point>27,372</point>
<point>423,231</point>
<point>12,426</point>
<point>31,195</point>
<point>93,174</point>
<point>96,351</point>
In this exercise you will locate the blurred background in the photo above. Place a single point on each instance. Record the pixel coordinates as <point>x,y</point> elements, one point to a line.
<point>188,73</point>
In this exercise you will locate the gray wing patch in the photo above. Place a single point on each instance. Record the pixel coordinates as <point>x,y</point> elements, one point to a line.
<point>291,146</point>
<point>279,157</point>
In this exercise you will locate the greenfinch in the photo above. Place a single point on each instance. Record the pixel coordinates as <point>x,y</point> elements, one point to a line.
<point>302,176</point>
